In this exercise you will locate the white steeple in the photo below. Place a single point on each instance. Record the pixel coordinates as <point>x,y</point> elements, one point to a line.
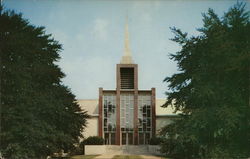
<point>127,58</point>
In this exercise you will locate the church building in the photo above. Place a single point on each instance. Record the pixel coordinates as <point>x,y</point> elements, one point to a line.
<point>126,115</point>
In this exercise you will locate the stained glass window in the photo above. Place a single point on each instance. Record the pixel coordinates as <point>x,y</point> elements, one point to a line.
<point>127,118</point>
<point>127,112</point>
<point>109,118</point>
<point>144,118</point>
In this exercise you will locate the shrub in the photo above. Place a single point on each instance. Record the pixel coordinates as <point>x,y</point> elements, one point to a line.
<point>78,150</point>
<point>155,141</point>
<point>93,140</point>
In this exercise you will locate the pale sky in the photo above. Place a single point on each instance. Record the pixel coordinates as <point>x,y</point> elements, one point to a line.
<point>92,35</point>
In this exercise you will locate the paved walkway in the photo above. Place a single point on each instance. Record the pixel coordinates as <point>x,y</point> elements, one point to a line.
<point>105,156</point>
<point>110,156</point>
<point>150,157</point>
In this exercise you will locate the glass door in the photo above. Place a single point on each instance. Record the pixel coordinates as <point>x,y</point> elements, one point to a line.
<point>109,138</point>
<point>127,139</point>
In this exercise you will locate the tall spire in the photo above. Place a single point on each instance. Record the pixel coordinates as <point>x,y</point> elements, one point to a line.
<point>127,58</point>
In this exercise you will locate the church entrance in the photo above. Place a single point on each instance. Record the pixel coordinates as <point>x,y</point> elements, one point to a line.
<point>109,138</point>
<point>127,118</point>
<point>127,138</point>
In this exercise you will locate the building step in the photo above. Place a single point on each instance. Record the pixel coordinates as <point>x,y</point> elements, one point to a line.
<point>121,150</point>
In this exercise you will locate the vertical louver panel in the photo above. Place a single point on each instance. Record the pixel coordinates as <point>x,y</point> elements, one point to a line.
<point>127,78</point>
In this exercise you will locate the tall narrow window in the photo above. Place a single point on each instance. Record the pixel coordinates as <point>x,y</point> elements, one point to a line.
<point>144,118</point>
<point>127,118</point>
<point>109,118</point>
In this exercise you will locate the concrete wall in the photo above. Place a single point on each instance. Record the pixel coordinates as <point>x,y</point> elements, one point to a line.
<point>91,106</point>
<point>161,122</point>
<point>92,127</point>
<point>154,149</point>
<point>95,149</point>
<point>164,116</point>
<point>163,111</point>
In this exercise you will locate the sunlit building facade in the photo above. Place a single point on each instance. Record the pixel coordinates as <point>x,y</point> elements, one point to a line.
<point>126,115</point>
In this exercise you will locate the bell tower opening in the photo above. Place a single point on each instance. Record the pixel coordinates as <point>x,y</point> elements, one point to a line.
<point>127,78</point>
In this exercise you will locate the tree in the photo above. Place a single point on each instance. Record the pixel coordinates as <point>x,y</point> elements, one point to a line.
<point>39,115</point>
<point>211,89</point>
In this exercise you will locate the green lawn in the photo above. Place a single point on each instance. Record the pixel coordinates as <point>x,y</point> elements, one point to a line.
<point>127,157</point>
<point>83,157</point>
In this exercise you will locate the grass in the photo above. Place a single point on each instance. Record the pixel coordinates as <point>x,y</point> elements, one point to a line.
<point>127,157</point>
<point>83,157</point>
